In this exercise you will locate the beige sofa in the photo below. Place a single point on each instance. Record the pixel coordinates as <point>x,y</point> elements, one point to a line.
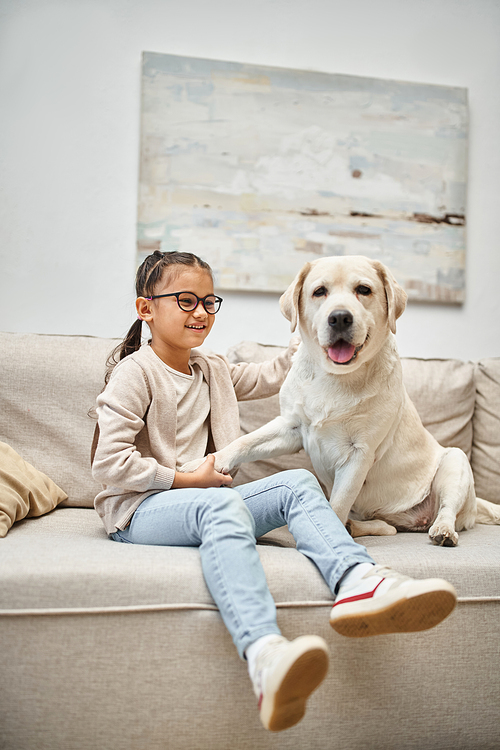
<point>108,646</point>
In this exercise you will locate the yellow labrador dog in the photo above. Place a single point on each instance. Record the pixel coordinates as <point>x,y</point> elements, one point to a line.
<point>344,401</point>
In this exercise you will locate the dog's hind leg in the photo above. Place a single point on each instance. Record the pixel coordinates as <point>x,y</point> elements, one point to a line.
<point>453,486</point>
<point>373,527</point>
<point>487,512</point>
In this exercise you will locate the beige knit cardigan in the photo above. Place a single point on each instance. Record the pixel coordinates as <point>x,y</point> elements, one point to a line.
<point>136,451</point>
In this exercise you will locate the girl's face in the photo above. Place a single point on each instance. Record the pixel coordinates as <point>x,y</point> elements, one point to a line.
<point>174,331</point>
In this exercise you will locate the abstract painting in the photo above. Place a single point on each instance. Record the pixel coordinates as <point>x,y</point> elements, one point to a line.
<point>260,169</point>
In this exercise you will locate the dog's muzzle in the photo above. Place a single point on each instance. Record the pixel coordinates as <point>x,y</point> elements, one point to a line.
<point>341,350</point>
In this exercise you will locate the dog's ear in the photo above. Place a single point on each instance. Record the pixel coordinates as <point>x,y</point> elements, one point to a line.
<point>290,300</point>
<point>396,296</point>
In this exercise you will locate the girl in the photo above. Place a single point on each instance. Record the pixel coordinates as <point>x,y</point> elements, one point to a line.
<point>166,403</point>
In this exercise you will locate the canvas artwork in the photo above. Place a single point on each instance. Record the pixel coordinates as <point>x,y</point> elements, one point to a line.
<point>260,169</point>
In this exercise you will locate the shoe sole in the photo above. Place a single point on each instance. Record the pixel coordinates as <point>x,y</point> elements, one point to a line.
<point>424,607</point>
<point>284,703</point>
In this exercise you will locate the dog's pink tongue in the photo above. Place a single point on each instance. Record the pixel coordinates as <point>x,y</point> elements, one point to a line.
<point>341,352</point>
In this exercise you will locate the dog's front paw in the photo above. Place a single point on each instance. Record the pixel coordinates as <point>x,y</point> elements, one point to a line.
<point>222,465</point>
<point>192,465</point>
<point>443,535</point>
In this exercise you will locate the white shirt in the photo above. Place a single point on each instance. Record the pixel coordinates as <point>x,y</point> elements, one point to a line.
<point>193,407</point>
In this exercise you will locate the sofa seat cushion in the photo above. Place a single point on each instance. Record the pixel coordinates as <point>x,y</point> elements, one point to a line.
<point>64,562</point>
<point>472,567</point>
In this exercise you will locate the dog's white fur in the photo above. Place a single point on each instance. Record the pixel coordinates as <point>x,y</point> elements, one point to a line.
<point>344,401</point>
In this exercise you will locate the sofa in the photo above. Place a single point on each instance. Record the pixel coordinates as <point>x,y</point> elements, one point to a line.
<point>109,646</point>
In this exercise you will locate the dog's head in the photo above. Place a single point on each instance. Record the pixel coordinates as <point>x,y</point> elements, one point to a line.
<point>347,306</point>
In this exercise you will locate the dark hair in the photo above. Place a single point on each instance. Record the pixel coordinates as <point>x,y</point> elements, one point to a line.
<point>148,276</point>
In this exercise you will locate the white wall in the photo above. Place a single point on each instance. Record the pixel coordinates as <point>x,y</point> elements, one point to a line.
<point>69,145</point>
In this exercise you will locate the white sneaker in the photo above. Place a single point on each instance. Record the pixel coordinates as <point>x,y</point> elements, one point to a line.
<point>384,601</point>
<point>285,675</point>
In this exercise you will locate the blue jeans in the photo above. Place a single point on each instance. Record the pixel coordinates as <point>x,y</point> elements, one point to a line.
<point>224,523</point>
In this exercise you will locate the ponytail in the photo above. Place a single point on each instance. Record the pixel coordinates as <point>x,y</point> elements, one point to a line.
<point>130,344</point>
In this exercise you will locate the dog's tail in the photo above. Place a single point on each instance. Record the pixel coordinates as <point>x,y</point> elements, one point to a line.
<point>487,512</point>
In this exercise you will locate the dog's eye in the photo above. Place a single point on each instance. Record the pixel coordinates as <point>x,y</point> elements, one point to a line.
<point>365,291</point>
<point>320,292</point>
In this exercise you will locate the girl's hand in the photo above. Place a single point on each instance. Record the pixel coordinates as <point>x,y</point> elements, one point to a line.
<point>204,476</point>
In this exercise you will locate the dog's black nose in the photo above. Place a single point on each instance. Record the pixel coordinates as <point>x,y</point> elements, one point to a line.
<point>341,320</point>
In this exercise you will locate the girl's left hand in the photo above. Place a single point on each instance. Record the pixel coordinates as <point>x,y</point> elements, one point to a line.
<point>203,476</point>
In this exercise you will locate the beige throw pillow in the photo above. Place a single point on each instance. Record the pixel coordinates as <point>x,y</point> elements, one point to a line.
<point>24,491</point>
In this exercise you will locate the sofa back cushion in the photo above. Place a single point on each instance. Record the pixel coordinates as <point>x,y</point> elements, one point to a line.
<point>48,386</point>
<point>486,442</point>
<point>443,392</point>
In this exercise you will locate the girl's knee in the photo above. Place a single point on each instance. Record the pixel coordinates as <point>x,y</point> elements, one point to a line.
<point>227,503</point>
<point>303,489</point>
<point>301,478</point>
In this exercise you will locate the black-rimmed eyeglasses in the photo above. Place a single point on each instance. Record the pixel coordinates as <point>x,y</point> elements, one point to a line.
<point>188,301</point>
